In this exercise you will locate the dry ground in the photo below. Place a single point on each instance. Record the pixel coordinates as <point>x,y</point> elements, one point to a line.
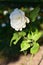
<point>25,60</point>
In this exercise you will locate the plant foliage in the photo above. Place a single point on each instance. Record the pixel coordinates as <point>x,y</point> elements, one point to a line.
<point>30,36</point>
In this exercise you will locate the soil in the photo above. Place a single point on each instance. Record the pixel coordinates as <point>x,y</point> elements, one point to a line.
<point>25,60</point>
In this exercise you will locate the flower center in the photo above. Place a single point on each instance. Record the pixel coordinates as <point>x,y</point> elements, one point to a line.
<point>19,17</point>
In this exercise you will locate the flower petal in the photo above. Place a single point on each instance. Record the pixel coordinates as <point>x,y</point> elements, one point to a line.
<point>27,19</point>
<point>24,26</point>
<point>20,29</point>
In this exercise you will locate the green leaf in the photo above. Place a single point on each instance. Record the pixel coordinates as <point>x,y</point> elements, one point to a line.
<point>22,33</point>
<point>35,35</point>
<point>15,38</point>
<point>35,48</point>
<point>34,14</point>
<point>24,45</point>
<point>29,36</point>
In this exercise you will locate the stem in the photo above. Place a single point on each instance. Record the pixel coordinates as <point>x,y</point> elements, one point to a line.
<point>31,59</point>
<point>25,53</point>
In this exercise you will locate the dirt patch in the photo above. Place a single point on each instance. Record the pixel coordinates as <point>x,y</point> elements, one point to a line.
<point>25,60</point>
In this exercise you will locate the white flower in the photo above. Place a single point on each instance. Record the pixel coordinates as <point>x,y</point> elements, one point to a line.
<point>5,12</point>
<point>31,8</point>
<point>18,19</point>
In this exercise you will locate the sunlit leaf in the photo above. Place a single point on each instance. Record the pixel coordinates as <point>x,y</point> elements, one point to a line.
<point>34,35</point>
<point>37,36</point>
<point>16,37</point>
<point>29,36</point>
<point>35,48</point>
<point>22,33</point>
<point>24,45</point>
<point>17,40</point>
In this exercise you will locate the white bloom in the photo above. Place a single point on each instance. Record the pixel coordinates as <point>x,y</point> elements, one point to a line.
<point>5,12</point>
<point>31,8</point>
<point>18,19</point>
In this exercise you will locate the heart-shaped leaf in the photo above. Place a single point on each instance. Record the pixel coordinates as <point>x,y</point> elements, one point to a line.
<point>24,45</point>
<point>35,48</point>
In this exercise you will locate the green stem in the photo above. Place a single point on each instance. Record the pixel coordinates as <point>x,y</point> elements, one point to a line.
<point>31,59</point>
<point>25,53</point>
